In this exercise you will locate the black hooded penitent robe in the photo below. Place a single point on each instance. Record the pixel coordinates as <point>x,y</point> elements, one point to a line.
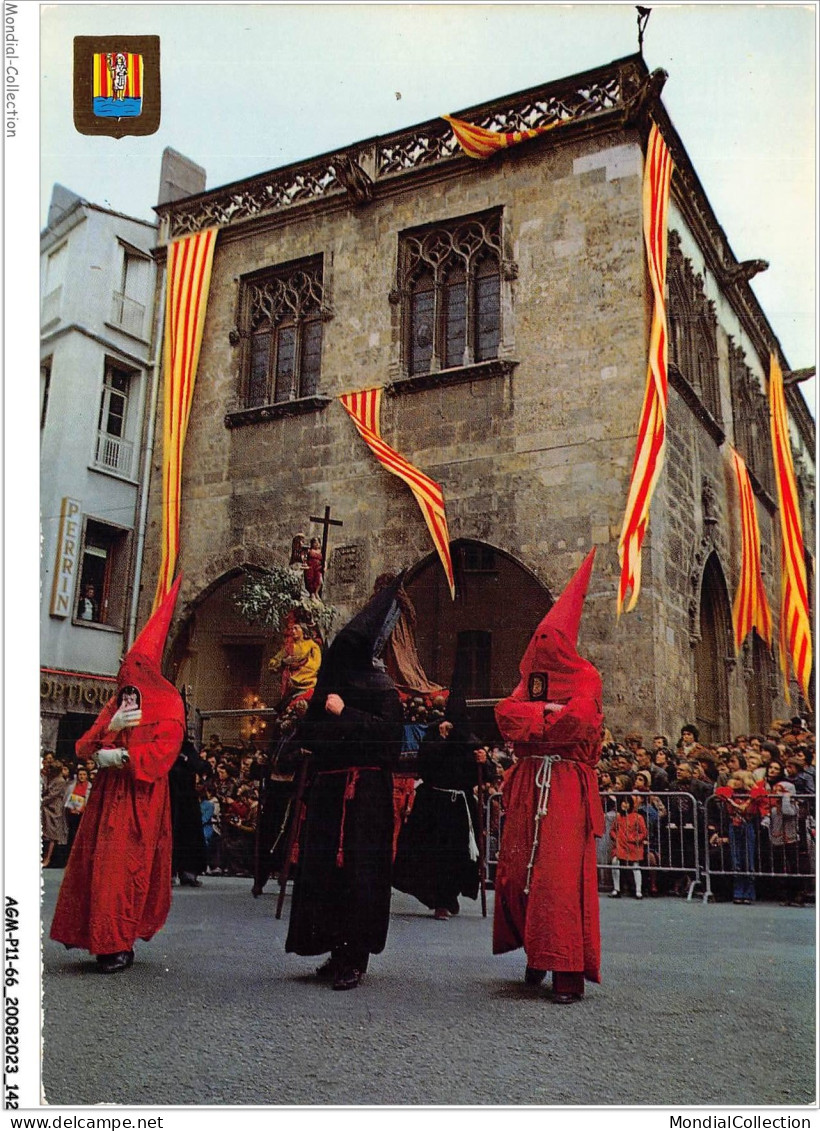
<point>186,818</point>
<point>437,854</point>
<point>341,893</point>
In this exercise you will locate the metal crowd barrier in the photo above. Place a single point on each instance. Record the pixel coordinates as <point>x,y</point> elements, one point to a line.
<point>493,826</point>
<point>770,853</point>
<point>694,842</point>
<point>674,824</point>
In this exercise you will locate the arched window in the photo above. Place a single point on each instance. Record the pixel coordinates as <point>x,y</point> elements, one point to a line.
<point>707,382</point>
<point>422,321</point>
<point>692,329</point>
<point>450,288</point>
<point>679,314</point>
<point>750,412</point>
<point>282,325</point>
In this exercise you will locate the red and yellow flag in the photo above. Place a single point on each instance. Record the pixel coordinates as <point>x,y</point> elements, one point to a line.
<point>795,625</point>
<point>364,408</point>
<point>480,143</point>
<point>751,605</point>
<point>649,451</point>
<point>105,67</point>
<point>189,277</point>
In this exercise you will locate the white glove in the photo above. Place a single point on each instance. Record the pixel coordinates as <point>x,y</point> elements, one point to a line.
<point>123,719</point>
<point>117,758</point>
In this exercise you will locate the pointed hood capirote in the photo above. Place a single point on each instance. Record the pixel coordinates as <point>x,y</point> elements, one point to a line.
<point>349,658</point>
<point>552,649</point>
<point>151,641</point>
<point>142,668</point>
<point>455,711</point>
<point>117,884</point>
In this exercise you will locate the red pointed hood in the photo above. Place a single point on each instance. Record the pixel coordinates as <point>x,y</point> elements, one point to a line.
<point>151,641</point>
<point>142,666</point>
<point>552,648</point>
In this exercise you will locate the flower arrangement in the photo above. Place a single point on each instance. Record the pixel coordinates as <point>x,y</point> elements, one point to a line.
<point>267,597</point>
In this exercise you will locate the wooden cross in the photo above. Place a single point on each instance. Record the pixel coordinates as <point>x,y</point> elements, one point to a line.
<point>326,523</point>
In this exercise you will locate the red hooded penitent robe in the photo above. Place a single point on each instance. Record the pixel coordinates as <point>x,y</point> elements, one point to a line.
<point>117,883</point>
<point>557,922</point>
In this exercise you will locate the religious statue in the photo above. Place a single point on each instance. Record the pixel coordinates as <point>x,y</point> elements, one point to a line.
<point>298,660</point>
<point>314,572</point>
<point>298,555</point>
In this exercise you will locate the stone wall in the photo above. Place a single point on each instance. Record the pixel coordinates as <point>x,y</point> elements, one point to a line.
<point>535,461</point>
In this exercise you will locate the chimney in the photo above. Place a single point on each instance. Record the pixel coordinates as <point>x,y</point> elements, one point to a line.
<point>62,201</point>
<point>179,176</point>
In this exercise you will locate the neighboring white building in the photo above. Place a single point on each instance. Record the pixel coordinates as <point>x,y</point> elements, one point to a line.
<point>96,368</point>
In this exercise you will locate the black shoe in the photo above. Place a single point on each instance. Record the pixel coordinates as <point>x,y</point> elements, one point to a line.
<point>453,907</point>
<point>533,976</point>
<point>347,978</point>
<point>329,968</point>
<point>566,999</point>
<point>188,879</point>
<point>111,963</point>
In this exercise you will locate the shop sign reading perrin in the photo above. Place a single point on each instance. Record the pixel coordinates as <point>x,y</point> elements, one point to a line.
<point>116,84</point>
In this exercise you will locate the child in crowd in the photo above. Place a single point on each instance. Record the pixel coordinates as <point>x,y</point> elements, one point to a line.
<point>629,837</point>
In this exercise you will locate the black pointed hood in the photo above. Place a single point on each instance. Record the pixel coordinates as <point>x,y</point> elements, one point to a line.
<point>370,628</point>
<point>349,660</point>
<point>456,709</point>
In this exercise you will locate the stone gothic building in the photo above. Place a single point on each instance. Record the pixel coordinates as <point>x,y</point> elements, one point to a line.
<point>504,306</point>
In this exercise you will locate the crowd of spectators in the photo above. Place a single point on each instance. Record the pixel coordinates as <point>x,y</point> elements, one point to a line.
<point>744,808</point>
<point>748,802</point>
<point>227,784</point>
<point>228,781</point>
<point>64,788</point>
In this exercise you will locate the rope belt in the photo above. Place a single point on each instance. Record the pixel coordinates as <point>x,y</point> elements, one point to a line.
<point>353,774</point>
<point>472,847</point>
<point>543,780</point>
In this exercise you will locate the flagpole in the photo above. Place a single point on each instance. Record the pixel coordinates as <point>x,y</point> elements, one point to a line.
<point>643,20</point>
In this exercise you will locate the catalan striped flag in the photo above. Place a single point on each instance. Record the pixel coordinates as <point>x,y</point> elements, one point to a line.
<point>364,408</point>
<point>104,67</point>
<point>750,608</point>
<point>480,143</point>
<point>649,450</point>
<point>189,277</point>
<point>795,624</point>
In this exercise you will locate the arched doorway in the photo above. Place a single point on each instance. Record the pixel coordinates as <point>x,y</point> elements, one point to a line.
<point>498,605</point>
<point>224,662</point>
<point>711,653</point>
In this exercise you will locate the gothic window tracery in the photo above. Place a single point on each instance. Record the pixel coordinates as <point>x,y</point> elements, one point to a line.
<point>282,315</point>
<point>450,292</point>
<point>692,329</point>
<point>750,410</point>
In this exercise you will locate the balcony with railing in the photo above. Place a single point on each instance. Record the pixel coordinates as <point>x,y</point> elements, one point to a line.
<point>128,314</point>
<point>113,454</point>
